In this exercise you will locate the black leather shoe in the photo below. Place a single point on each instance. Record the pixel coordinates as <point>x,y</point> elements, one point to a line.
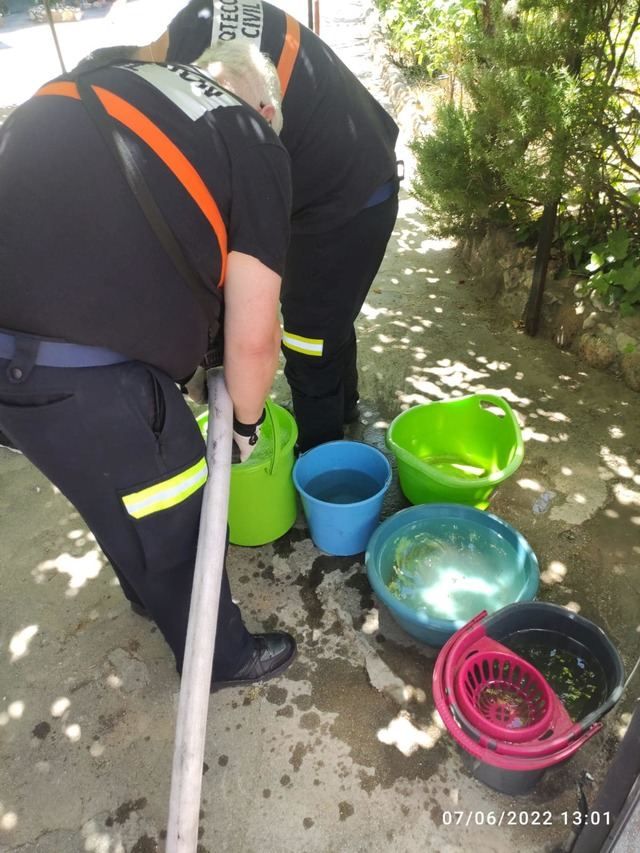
<point>271,656</point>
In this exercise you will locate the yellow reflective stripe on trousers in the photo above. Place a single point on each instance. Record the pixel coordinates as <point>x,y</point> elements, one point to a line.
<point>307,346</point>
<point>168,493</point>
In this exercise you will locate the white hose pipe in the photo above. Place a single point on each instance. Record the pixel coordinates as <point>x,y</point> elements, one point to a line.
<point>193,705</point>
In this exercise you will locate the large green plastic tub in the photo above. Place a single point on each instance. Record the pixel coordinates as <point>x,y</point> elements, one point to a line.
<point>262,497</point>
<point>457,450</point>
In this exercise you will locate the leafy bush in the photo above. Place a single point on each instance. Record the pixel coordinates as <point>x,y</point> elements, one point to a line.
<point>428,35</point>
<point>543,109</point>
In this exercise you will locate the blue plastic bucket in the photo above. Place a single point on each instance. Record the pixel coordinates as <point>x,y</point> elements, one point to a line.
<point>342,485</point>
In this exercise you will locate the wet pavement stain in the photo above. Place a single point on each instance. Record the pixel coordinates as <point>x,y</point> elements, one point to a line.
<point>223,760</point>
<point>368,782</point>
<point>345,810</point>
<point>360,582</point>
<point>145,844</point>
<point>108,722</point>
<point>285,779</point>
<point>287,711</point>
<point>283,547</point>
<point>311,580</point>
<point>310,721</point>
<point>304,702</point>
<point>271,623</point>
<point>276,695</point>
<point>307,823</point>
<point>267,574</point>
<point>266,793</point>
<point>361,711</point>
<point>41,730</point>
<point>125,810</point>
<point>299,752</point>
<point>413,666</point>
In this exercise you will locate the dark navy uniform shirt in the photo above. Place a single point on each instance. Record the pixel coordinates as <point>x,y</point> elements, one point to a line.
<point>340,139</point>
<point>78,259</point>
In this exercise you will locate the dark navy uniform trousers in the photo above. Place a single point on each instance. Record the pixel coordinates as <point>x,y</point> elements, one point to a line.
<point>326,280</point>
<point>121,444</point>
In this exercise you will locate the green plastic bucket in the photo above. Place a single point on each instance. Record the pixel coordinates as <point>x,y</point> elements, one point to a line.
<point>262,497</point>
<point>457,450</point>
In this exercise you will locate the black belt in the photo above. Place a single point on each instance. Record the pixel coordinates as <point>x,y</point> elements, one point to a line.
<point>59,354</point>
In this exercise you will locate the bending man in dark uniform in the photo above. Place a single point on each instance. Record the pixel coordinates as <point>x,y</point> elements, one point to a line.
<point>343,169</point>
<point>97,327</point>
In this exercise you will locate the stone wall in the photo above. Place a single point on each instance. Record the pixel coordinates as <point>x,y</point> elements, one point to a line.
<point>583,325</point>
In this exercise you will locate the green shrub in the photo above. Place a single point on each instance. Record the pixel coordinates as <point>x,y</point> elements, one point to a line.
<point>543,109</point>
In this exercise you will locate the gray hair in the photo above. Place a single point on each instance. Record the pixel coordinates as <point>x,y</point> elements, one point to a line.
<point>247,72</point>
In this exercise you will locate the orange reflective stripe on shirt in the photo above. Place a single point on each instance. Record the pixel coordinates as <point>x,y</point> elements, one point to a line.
<point>164,148</point>
<point>289,53</point>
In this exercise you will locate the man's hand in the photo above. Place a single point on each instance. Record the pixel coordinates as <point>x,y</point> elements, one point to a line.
<point>245,439</point>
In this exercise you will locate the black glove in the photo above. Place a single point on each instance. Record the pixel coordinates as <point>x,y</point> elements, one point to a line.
<point>245,438</point>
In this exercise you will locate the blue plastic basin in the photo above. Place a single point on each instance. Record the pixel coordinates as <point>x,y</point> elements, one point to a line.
<point>468,561</point>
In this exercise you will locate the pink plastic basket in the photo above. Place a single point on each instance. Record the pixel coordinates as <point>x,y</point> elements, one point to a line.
<point>503,696</point>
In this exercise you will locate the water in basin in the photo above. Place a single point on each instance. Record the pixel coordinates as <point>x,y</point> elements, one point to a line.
<point>452,569</point>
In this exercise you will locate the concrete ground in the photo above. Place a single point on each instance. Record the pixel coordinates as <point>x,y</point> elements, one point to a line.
<point>344,753</point>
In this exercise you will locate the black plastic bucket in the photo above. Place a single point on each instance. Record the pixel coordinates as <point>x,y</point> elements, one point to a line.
<point>552,620</point>
<point>505,781</point>
<point>578,633</point>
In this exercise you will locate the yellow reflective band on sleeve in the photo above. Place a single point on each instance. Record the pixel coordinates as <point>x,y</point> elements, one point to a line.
<point>168,493</point>
<point>307,346</point>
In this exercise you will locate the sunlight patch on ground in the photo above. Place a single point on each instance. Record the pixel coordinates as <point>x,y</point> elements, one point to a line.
<point>407,737</point>
<point>19,643</point>
<point>530,485</point>
<point>626,496</point>
<point>98,841</point>
<point>8,821</point>
<point>79,569</point>
<point>371,622</point>
<point>96,749</point>
<point>529,434</point>
<point>14,711</point>
<point>60,706</point>
<point>73,732</point>
<point>554,417</point>
<point>372,313</point>
<point>555,573</point>
<point>623,724</point>
<point>618,464</point>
